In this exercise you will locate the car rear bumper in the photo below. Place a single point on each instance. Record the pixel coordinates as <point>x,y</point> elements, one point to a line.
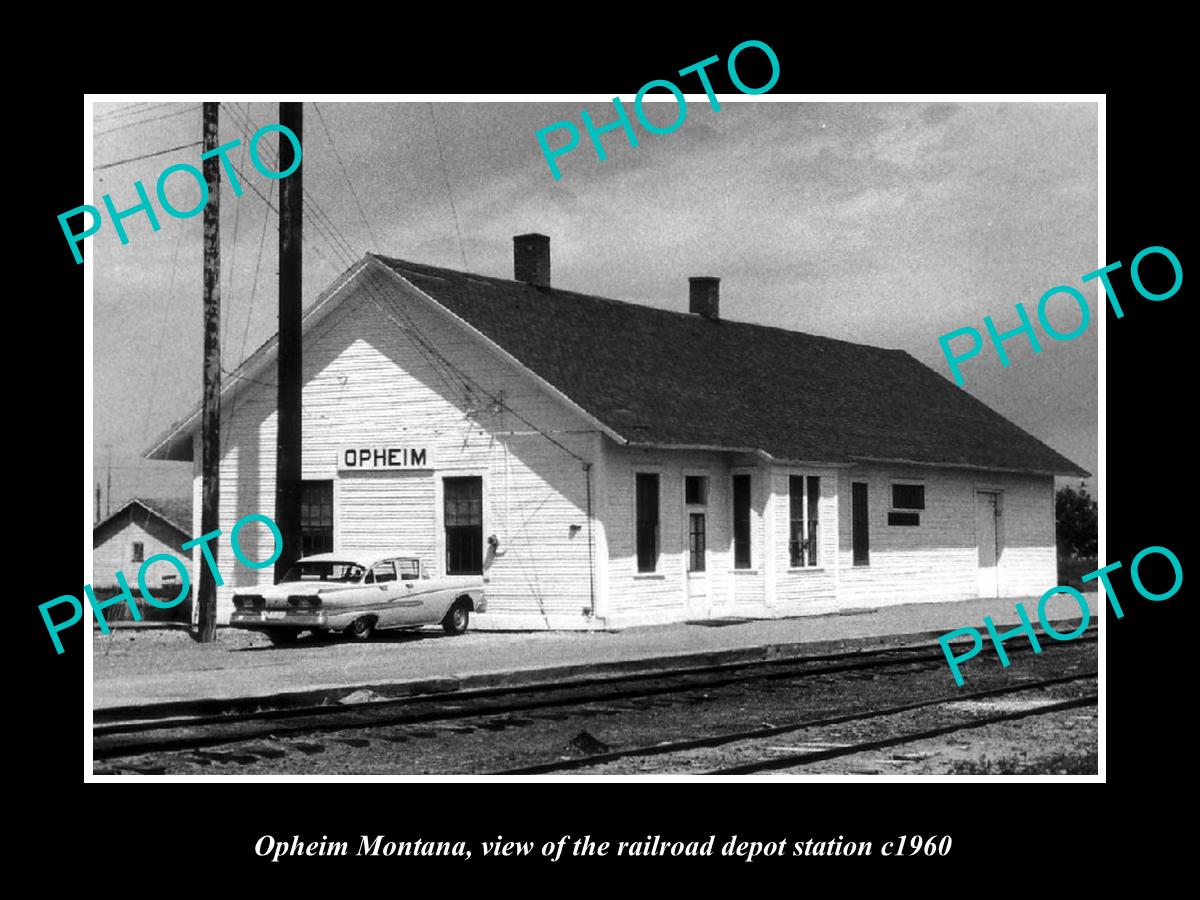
<point>271,618</point>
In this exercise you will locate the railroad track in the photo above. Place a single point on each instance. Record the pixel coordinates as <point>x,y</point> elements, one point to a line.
<point>799,759</point>
<point>790,761</point>
<point>125,739</point>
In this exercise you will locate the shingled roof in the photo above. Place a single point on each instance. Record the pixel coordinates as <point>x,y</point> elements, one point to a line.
<point>175,512</point>
<point>657,378</point>
<point>662,378</point>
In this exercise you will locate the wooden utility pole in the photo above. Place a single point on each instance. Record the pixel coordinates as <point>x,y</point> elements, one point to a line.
<point>287,447</point>
<point>210,421</point>
<point>108,491</point>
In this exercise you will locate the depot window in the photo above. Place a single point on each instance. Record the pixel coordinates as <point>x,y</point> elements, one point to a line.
<point>647,521</point>
<point>464,525</point>
<point>741,521</point>
<point>316,517</point>
<point>906,497</point>
<point>139,551</point>
<point>804,495</point>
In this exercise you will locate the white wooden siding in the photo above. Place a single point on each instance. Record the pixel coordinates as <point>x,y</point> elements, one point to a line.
<point>637,598</point>
<point>116,554</point>
<point>805,591</point>
<point>749,586</point>
<point>367,383</point>
<point>938,559</point>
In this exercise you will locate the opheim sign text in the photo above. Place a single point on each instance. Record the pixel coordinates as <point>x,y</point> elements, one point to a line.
<point>384,458</point>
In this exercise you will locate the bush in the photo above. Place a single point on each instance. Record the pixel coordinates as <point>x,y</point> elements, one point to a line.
<point>1072,569</point>
<point>119,612</point>
<point>1076,522</point>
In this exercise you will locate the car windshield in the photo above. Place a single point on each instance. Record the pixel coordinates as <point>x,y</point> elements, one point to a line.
<point>324,571</point>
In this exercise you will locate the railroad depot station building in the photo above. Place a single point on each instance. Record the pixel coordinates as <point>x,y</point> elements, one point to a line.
<point>634,465</point>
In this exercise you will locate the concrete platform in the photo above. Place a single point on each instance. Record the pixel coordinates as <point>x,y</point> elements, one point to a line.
<point>143,667</point>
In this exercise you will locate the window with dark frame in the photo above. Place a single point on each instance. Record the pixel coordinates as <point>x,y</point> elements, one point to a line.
<point>906,497</point>
<point>802,544</point>
<point>741,521</point>
<point>814,505</point>
<point>696,539</point>
<point>316,517</point>
<point>802,537</point>
<point>463,522</point>
<point>796,510</point>
<point>860,527</point>
<point>647,521</point>
<point>695,490</point>
<point>139,551</point>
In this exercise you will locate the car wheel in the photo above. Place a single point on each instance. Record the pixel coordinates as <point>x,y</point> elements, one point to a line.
<point>361,629</point>
<point>283,637</point>
<point>457,618</point>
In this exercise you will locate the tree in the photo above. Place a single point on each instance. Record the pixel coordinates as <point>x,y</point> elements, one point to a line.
<point>1076,521</point>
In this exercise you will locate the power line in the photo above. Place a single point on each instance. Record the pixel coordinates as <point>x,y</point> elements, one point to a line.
<point>331,234</point>
<point>237,219</point>
<point>125,112</point>
<point>121,162</point>
<point>346,254</point>
<point>319,218</point>
<point>272,208</point>
<point>349,184</point>
<point>262,240</point>
<point>312,209</point>
<point>144,121</point>
<point>449,193</point>
<point>162,329</point>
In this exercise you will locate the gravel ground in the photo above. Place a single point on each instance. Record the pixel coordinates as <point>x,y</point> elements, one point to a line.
<point>137,667</point>
<point>481,744</point>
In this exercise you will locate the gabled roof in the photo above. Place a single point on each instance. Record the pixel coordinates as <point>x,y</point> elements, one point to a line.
<point>655,378</point>
<point>173,512</point>
<point>662,378</point>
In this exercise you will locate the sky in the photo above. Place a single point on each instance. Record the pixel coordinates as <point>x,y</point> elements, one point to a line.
<point>882,223</point>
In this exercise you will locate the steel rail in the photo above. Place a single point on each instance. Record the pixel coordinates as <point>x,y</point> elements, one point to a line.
<point>718,740</point>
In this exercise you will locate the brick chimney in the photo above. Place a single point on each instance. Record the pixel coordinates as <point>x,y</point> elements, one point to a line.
<point>531,259</point>
<point>706,296</point>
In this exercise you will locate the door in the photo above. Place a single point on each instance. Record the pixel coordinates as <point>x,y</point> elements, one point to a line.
<point>383,589</point>
<point>695,527</point>
<point>987,533</point>
<point>697,569</point>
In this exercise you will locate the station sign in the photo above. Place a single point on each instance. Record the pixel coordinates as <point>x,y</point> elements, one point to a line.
<point>382,458</point>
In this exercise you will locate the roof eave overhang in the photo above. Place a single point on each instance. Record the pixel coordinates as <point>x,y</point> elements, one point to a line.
<point>753,451</point>
<point>1018,470</point>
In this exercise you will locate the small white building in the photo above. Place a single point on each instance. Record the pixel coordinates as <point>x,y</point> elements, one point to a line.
<point>634,465</point>
<point>133,534</point>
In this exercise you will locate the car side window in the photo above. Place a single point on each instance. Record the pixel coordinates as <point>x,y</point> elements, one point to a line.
<point>384,571</point>
<point>409,569</point>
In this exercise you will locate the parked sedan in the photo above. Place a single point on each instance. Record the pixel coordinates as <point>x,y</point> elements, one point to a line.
<point>357,593</point>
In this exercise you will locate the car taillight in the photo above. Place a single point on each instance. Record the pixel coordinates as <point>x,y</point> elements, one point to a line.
<point>304,601</point>
<point>248,601</point>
